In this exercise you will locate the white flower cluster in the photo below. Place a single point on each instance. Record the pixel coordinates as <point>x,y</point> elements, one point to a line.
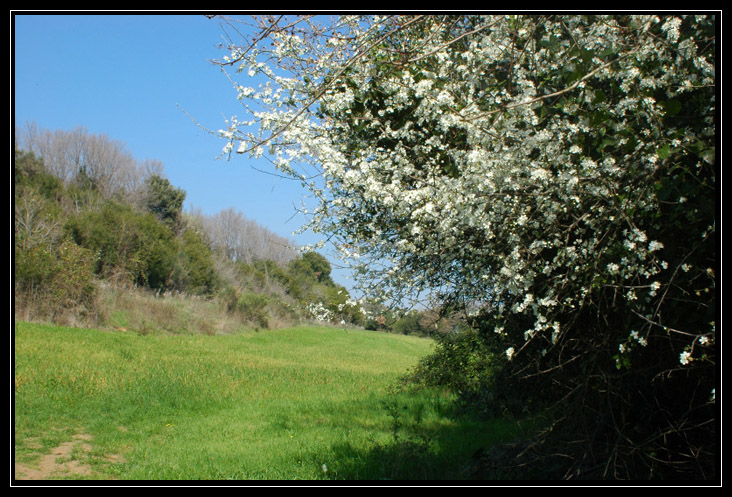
<point>319,312</point>
<point>495,164</point>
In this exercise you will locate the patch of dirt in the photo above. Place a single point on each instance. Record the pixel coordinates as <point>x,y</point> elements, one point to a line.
<point>59,462</point>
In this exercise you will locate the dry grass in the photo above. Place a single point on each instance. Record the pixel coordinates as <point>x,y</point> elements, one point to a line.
<point>125,308</point>
<point>141,311</point>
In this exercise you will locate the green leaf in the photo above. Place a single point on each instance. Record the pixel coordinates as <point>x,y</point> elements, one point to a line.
<point>671,107</point>
<point>664,152</point>
<point>599,97</point>
<point>606,143</point>
<point>587,55</point>
<point>607,52</point>
<point>709,155</point>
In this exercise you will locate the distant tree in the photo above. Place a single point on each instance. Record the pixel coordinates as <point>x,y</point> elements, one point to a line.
<point>318,265</point>
<point>29,172</point>
<point>164,201</point>
<point>308,270</point>
<point>36,202</point>
<point>79,157</point>
<point>240,239</point>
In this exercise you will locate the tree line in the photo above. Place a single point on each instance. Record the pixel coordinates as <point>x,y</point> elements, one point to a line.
<point>86,212</point>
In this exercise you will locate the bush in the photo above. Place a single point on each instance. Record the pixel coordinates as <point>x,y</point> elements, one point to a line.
<point>466,363</point>
<point>409,324</point>
<point>128,245</point>
<point>253,307</point>
<point>250,307</point>
<point>51,280</point>
<point>194,271</point>
<point>53,276</point>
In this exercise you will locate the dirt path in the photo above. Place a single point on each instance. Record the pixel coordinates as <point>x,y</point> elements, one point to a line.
<point>59,462</point>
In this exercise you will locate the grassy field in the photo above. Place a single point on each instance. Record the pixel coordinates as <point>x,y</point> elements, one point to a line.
<point>307,403</point>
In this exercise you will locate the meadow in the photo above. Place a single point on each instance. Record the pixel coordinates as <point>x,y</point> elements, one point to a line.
<point>302,403</point>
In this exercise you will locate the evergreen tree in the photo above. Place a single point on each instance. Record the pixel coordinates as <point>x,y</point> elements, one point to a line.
<point>164,201</point>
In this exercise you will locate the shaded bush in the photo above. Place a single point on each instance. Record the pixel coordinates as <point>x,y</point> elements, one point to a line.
<point>250,307</point>
<point>466,363</point>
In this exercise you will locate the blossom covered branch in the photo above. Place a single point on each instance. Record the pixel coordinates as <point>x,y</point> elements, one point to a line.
<point>515,164</point>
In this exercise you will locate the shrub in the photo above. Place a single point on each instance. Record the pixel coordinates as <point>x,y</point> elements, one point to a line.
<point>51,280</point>
<point>194,271</point>
<point>466,363</point>
<point>409,324</point>
<point>130,245</point>
<point>253,307</point>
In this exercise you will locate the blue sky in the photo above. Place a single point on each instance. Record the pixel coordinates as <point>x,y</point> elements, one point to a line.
<point>128,77</point>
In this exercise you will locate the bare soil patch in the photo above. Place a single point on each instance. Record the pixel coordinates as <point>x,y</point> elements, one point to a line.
<point>62,461</point>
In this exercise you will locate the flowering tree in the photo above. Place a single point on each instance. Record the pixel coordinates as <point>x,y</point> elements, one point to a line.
<point>552,175</point>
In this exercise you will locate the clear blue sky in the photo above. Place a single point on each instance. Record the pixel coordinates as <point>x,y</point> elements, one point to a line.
<point>128,76</point>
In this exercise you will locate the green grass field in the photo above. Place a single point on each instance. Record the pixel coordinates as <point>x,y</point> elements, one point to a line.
<point>302,403</point>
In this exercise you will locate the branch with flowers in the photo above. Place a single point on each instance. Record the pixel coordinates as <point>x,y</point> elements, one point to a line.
<point>554,175</point>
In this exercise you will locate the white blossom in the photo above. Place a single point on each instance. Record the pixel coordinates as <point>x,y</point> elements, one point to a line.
<point>685,358</point>
<point>671,27</point>
<point>442,178</point>
<point>655,245</point>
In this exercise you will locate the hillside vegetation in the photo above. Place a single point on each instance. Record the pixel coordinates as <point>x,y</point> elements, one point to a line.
<point>102,240</point>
